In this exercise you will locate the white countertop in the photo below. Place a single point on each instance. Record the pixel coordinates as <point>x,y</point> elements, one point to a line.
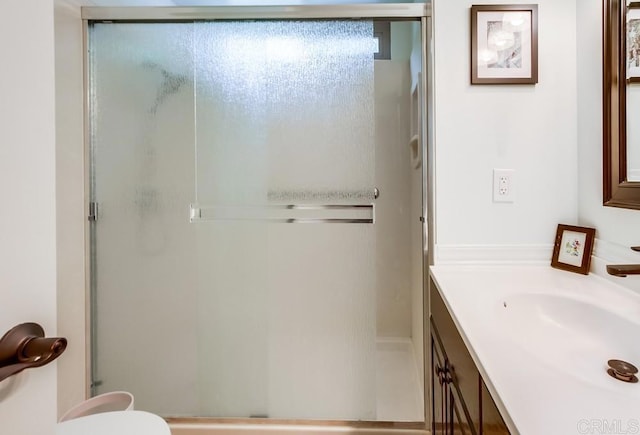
<point>523,326</point>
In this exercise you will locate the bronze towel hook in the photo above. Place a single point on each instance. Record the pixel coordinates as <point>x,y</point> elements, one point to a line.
<point>25,346</point>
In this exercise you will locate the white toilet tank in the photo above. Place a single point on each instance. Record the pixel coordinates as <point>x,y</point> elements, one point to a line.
<point>115,423</point>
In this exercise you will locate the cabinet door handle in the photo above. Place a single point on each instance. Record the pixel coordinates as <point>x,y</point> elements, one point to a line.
<point>448,374</point>
<point>444,375</point>
<point>441,374</point>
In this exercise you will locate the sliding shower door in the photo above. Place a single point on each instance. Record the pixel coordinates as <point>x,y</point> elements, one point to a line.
<point>234,250</point>
<point>284,154</point>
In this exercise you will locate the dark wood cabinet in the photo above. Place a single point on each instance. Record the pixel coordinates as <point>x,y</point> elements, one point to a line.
<point>461,403</point>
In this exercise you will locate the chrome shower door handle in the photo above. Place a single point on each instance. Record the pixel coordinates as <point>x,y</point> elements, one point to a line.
<point>286,213</point>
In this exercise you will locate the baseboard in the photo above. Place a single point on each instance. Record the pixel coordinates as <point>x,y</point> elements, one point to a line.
<point>493,254</point>
<point>603,253</point>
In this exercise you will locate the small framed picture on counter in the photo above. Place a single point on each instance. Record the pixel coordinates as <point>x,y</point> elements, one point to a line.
<point>572,248</point>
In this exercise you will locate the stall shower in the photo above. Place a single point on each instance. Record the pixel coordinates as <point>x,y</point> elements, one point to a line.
<point>256,195</point>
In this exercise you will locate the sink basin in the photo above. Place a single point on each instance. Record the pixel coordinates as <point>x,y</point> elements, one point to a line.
<point>571,335</point>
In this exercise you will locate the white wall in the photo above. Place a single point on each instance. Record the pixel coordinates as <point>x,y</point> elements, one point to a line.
<point>28,213</point>
<point>614,225</point>
<point>529,128</point>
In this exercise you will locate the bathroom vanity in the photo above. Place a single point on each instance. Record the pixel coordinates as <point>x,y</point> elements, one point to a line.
<point>524,350</point>
<point>460,401</point>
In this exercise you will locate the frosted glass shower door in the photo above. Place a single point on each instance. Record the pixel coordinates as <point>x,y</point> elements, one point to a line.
<point>144,314</point>
<point>284,122</point>
<point>213,147</point>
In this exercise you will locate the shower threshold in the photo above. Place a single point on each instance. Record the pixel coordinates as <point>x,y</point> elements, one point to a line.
<point>198,426</point>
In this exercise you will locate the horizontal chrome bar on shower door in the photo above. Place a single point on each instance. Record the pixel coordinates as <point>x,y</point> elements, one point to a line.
<point>287,213</point>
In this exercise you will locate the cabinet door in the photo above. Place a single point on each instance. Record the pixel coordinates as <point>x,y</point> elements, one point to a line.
<point>439,391</point>
<point>461,368</point>
<point>461,402</point>
<point>450,414</point>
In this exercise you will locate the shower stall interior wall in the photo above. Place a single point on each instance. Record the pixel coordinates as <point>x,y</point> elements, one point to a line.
<point>242,265</point>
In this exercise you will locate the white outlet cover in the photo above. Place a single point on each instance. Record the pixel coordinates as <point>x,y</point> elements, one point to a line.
<point>504,187</point>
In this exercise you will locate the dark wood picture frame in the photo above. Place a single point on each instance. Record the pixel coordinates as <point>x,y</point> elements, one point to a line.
<point>525,54</point>
<point>572,248</point>
<point>617,189</point>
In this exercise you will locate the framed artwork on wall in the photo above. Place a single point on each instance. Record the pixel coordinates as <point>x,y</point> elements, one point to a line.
<point>504,44</point>
<point>572,248</point>
<point>633,42</point>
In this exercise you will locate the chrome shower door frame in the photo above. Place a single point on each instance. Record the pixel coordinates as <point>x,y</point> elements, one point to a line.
<point>421,12</point>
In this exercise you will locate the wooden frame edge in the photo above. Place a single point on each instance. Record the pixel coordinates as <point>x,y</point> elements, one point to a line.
<point>533,79</point>
<point>587,251</point>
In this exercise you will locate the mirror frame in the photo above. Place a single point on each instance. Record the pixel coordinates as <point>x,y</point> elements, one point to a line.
<point>617,191</point>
